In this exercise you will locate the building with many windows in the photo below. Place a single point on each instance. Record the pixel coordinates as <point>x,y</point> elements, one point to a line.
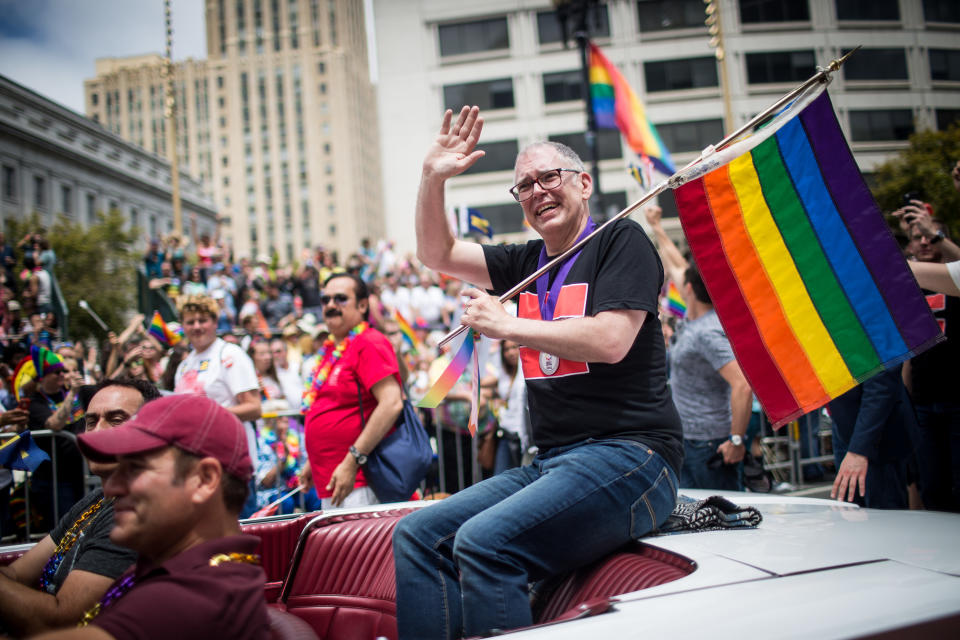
<point>507,57</point>
<point>55,162</point>
<point>280,119</point>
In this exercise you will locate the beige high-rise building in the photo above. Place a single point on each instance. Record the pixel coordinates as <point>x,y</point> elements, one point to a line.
<point>280,121</point>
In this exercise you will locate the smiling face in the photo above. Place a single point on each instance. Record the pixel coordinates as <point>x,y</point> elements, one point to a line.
<point>342,312</point>
<point>152,508</point>
<point>559,214</point>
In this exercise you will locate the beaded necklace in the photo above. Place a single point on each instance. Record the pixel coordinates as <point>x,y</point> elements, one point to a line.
<point>119,589</point>
<point>68,540</point>
<point>318,376</point>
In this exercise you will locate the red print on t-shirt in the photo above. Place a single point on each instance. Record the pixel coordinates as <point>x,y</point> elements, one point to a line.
<point>571,303</point>
<point>938,302</point>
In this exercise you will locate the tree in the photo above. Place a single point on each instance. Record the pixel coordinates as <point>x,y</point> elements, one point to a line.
<point>97,264</point>
<point>923,167</point>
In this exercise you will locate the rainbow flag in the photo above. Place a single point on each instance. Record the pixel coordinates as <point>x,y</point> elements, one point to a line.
<point>673,301</point>
<point>803,271</point>
<point>407,331</point>
<point>159,330</point>
<point>616,106</point>
<point>466,355</point>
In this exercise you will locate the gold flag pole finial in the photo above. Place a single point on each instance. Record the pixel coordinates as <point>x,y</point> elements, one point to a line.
<point>836,64</point>
<point>822,76</point>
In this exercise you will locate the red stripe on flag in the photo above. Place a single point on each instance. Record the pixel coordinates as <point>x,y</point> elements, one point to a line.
<point>755,361</point>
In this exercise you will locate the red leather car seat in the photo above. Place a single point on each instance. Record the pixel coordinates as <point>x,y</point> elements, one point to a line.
<point>341,580</point>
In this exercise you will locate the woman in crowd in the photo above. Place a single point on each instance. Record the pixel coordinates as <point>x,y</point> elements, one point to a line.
<point>278,437</point>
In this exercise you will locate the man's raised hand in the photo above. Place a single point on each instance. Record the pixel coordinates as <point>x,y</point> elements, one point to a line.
<point>454,149</point>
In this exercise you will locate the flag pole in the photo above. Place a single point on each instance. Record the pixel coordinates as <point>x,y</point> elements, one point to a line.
<point>822,75</point>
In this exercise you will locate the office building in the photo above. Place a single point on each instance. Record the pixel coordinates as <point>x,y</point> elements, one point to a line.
<point>56,162</point>
<point>280,120</point>
<point>507,57</point>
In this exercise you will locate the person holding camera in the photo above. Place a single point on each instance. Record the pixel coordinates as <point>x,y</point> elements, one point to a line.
<point>929,376</point>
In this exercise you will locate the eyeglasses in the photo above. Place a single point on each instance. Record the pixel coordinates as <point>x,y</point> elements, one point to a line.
<point>338,299</point>
<point>548,180</point>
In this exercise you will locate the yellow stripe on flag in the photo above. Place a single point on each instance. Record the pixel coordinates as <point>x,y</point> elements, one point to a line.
<point>797,305</point>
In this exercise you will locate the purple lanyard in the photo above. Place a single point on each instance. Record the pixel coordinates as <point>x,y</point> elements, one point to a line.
<point>547,296</point>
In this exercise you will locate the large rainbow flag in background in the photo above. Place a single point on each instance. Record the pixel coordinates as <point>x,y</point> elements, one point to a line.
<point>616,106</point>
<point>804,274</point>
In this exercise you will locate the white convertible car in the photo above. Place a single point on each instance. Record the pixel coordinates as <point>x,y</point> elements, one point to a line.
<point>811,569</point>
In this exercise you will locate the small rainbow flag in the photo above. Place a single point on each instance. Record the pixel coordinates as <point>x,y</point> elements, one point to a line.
<point>616,106</point>
<point>159,330</point>
<point>407,331</point>
<point>803,271</point>
<point>673,301</point>
<point>465,355</point>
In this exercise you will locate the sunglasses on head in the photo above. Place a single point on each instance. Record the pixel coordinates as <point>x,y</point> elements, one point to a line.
<point>339,299</point>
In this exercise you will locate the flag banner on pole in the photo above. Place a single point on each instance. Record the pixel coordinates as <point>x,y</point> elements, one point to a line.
<point>159,330</point>
<point>806,278</point>
<point>406,332</point>
<point>458,364</point>
<point>474,387</point>
<point>476,223</point>
<point>21,452</point>
<point>616,106</point>
<point>673,302</point>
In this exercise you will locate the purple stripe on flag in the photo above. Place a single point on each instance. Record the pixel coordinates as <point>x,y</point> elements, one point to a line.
<point>868,229</point>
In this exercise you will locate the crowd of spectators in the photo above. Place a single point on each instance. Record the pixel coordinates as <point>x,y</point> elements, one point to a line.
<point>273,312</point>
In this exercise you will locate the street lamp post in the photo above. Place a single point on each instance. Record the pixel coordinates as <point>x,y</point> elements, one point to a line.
<point>715,29</point>
<point>576,12</point>
<point>170,114</point>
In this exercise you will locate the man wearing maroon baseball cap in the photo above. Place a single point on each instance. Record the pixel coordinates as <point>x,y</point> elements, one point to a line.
<point>182,472</point>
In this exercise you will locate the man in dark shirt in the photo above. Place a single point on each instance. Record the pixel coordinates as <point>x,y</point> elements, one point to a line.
<point>68,571</point>
<point>181,479</point>
<point>277,306</point>
<point>930,379</point>
<point>55,406</point>
<point>601,414</point>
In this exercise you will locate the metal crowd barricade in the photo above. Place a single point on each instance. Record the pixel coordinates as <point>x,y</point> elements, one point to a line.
<point>53,435</point>
<point>458,438</point>
<point>783,451</point>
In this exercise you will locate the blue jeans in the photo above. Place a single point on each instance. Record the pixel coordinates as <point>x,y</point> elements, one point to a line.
<point>695,474</point>
<point>509,454</point>
<point>463,565</point>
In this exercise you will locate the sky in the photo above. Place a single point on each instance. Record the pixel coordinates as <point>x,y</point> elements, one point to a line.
<point>50,46</point>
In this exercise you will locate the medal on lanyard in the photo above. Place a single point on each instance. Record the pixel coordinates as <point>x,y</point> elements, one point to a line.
<point>547,296</point>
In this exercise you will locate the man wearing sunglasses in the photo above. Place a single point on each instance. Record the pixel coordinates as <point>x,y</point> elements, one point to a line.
<point>352,396</point>
<point>609,438</point>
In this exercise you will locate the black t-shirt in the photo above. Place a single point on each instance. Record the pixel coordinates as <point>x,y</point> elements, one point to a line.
<point>309,289</point>
<point>932,372</point>
<point>93,550</point>
<point>618,269</point>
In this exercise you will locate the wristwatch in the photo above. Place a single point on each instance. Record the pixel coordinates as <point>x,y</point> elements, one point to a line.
<point>361,458</point>
<point>939,237</point>
<point>737,440</point>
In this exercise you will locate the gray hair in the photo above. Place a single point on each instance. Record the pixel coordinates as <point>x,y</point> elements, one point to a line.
<point>565,151</point>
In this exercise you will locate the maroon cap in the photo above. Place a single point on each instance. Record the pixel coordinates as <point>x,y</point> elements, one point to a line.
<point>193,423</point>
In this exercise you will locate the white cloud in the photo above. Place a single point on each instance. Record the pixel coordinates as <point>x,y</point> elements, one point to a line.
<point>61,39</point>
